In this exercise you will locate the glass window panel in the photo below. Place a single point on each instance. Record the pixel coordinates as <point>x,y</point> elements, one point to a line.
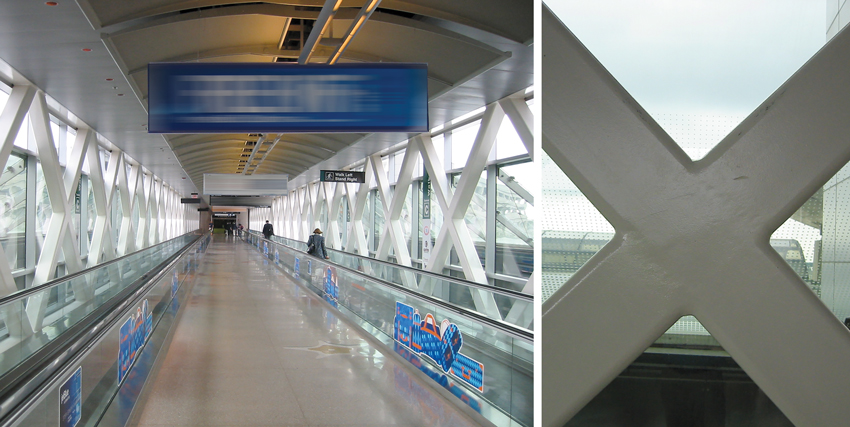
<point>56,130</point>
<point>367,219</point>
<point>399,160</point>
<point>462,140</point>
<point>815,242</point>
<point>118,215</point>
<point>22,139</point>
<point>439,143</point>
<point>514,224</point>
<point>672,61</point>
<point>43,209</point>
<point>77,213</point>
<point>379,220</point>
<point>92,216</point>
<point>405,219</point>
<point>13,208</point>
<point>572,229</point>
<point>508,143</point>
<point>476,213</point>
<point>134,216</point>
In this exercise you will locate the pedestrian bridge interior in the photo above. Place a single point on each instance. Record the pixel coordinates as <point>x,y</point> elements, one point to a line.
<point>116,296</point>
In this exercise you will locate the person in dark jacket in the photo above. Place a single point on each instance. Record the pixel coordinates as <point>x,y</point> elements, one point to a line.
<point>318,243</point>
<point>268,230</point>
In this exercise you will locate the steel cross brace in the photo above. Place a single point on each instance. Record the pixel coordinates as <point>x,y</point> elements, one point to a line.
<point>693,237</point>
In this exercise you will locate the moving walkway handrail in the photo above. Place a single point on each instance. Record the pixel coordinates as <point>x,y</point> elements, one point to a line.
<point>23,293</point>
<point>23,382</point>
<point>501,326</point>
<point>495,289</point>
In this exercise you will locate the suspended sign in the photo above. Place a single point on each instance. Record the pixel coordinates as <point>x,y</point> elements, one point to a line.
<point>274,97</point>
<point>343,176</point>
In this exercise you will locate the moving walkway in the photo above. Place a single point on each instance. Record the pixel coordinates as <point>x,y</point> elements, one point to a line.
<point>467,345</point>
<point>75,350</point>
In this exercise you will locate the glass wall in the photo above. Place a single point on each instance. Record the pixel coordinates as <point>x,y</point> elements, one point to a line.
<point>499,218</point>
<point>13,210</point>
<point>26,211</point>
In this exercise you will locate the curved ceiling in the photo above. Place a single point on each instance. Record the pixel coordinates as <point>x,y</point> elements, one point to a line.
<point>477,51</point>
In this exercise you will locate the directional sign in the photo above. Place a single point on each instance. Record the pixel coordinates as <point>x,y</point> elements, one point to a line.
<point>280,98</point>
<point>343,176</point>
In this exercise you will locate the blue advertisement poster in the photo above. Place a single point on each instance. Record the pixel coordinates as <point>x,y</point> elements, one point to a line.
<point>440,342</point>
<point>71,400</point>
<point>266,248</point>
<point>331,286</point>
<point>131,338</point>
<point>297,267</point>
<point>310,267</point>
<point>125,348</point>
<point>276,257</point>
<point>261,97</point>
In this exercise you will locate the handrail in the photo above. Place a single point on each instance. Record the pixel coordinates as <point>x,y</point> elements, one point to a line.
<point>19,384</point>
<point>507,328</point>
<point>495,289</point>
<point>59,280</point>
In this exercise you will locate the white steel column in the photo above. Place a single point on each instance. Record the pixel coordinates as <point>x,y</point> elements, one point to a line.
<point>334,238</point>
<point>60,235</point>
<point>693,237</point>
<point>126,205</point>
<point>522,120</point>
<point>10,122</point>
<point>357,237</point>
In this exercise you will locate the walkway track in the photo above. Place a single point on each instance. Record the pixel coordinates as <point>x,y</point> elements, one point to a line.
<point>252,348</point>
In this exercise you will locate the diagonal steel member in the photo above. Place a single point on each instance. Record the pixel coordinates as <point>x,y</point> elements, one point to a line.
<point>693,237</point>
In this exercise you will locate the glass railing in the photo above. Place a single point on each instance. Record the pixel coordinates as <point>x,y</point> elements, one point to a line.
<point>493,302</point>
<point>34,318</point>
<point>487,363</point>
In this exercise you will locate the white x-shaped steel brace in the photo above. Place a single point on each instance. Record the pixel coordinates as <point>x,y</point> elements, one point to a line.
<point>693,237</point>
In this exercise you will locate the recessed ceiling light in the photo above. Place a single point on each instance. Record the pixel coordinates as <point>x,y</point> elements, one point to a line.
<point>85,49</point>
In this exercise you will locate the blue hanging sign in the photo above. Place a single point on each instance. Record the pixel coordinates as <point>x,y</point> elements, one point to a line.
<point>286,98</point>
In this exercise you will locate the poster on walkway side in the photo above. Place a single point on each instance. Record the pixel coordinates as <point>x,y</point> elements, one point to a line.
<point>331,286</point>
<point>125,348</point>
<point>132,336</point>
<point>71,400</point>
<point>297,267</point>
<point>439,342</point>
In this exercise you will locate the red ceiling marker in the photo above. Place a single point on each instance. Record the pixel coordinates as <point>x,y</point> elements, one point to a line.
<point>86,49</point>
<point>51,3</point>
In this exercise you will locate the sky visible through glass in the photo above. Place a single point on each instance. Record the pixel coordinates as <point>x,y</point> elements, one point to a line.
<point>699,67</point>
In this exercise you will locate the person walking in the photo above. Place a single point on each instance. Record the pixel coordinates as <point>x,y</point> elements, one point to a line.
<point>268,230</point>
<point>316,245</point>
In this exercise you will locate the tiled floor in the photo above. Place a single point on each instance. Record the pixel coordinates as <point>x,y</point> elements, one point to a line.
<point>254,349</point>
